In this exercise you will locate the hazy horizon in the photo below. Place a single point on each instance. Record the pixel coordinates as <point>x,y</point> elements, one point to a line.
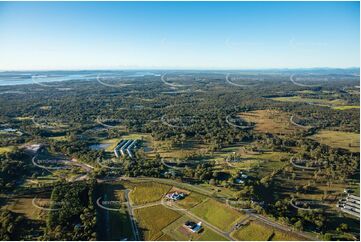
<point>187,69</point>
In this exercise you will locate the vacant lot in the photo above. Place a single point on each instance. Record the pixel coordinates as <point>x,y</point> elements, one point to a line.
<point>253,232</point>
<point>338,139</point>
<point>190,200</point>
<point>282,236</point>
<point>178,232</point>
<point>217,214</point>
<point>165,237</point>
<point>144,193</point>
<point>270,121</point>
<point>153,219</point>
<point>210,235</point>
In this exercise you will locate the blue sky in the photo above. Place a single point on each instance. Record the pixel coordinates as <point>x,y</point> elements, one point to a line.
<point>224,35</point>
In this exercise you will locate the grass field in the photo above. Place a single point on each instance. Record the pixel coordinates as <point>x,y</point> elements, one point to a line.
<point>40,180</point>
<point>317,101</point>
<point>217,214</point>
<point>165,237</point>
<point>346,107</point>
<point>177,232</point>
<point>144,193</point>
<point>253,232</point>
<point>260,164</point>
<point>190,200</point>
<point>270,121</point>
<point>153,219</point>
<point>59,138</point>
<point>24,206</point>
<point>174,230</point>
<point>338,139</point>
<point>6,149</point>
<point>23,118</point>
<point>210,235</point>
<point>138,136</point>
<point>281,236</point>
<point>165,149</point>
<point>34,218</point>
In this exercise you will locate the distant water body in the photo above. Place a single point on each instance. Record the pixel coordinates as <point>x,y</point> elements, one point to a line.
<point>21,78</point>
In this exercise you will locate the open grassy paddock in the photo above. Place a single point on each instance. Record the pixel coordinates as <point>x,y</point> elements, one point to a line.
<point>191,200</point>
<point>176,231</point>
<point>6,149</point>
<point>40,180</point>
<point>346,107</point>
<point>153,219</point>
<point>24,205</point>
<point>270,121</point>
<point>338,139</point>
<point>143,193</point>
<point>178,151</point>
<point>333,102</point>
<point>217,214</point>
<point>256,231</point>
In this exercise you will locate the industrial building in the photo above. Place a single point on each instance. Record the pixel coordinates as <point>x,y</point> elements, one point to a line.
<point>350,205</point>
<point>125,148</point>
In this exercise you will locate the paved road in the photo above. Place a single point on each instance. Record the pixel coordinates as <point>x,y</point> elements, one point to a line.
<point>254,215</point>
<point>234,227</point>
<point>131,216</point>
<point>196,218</point>
<point>211,194</point>
<point>147,205</point>
<point>214,228</point>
